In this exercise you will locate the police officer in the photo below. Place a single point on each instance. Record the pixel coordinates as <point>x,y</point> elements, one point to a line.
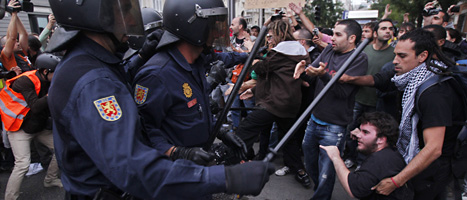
<point>171,89</point>
<point>97,128</point>
<point>141,48</point>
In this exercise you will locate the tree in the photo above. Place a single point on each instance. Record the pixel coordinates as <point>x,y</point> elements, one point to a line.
<point>330,12</point>
<point>413,7</point>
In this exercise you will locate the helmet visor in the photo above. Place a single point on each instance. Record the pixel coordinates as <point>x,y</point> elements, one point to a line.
<point>220,31</point>
<point>121,17</point>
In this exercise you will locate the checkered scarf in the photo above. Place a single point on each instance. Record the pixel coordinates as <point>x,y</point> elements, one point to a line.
<point>407,144</point>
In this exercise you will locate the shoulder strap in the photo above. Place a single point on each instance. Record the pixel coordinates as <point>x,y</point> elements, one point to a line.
<point>436,79</point>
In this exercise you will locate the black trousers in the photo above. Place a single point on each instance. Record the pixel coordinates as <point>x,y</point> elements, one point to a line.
<point>260,122</point>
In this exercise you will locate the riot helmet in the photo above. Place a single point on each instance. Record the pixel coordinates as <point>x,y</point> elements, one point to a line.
<point>152,20</point>
<point>47,61</point>
<point>197,21</point>
<point>119,17</point>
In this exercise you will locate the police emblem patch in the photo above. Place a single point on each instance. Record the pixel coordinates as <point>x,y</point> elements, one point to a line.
<point>140,94</point>
<point>108,108</point>
<point>187,90</point>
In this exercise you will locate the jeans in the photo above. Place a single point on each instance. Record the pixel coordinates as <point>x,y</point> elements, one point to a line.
<point>236,114</point>
<point>317,162</point>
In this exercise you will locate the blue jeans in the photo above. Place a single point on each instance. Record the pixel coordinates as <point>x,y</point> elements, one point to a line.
<point>236,114</point>
<point>317,162</point>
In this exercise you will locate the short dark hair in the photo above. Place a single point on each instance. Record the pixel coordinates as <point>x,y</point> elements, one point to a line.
<point>256,28</point>
<point>385,124</point>
<point>370,25</point>
<point>425,41</point>
<point>453,33</point>
<point>34,43</point>
<point>438,31</point>
<point>352,28</point>
<point>409,26</point>
<point>381,21</point>
<point>446,17</point>
<point>304,34</point>
<point>242,22</point>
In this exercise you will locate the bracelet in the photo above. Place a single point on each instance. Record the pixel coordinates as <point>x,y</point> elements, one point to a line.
<point>394,182</point>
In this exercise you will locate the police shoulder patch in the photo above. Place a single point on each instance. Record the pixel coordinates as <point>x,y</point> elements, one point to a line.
<point>108,108</point>
<point>141,93</point>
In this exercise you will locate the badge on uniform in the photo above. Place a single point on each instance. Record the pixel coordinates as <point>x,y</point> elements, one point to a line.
<point>187,90</point>
<point>108,108</point>
<point>140,94</point>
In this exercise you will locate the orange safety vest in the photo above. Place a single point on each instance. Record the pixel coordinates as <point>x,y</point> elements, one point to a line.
<point>13,106</point>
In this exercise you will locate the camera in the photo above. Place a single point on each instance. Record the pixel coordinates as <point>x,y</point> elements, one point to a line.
<point>455,9</point>
<point>430,12</point>
<point>26,6</point>
<point>315,32</point>
<point>7,74</point>
<point>277,16</point>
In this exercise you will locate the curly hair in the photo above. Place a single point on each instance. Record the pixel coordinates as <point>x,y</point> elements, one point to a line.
<point>385,124</point>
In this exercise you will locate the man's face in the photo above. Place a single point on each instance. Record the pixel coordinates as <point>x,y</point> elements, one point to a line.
<point>367,32</point>
<point>235,26</point>
<point>437,19</point>
<point>402,31</point>
<point>405,58</point>
<point>254,32</point>
<point>367,139</point>
<point>385,31</point>
<point>341,42</point>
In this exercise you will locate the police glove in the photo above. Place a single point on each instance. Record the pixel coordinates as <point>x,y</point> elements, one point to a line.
<point>248,178</point>
<point>235,143</point>
<point>150,44</point>
<point>195,154</point>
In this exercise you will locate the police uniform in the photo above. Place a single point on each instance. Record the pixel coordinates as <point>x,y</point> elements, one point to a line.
<point>97,134</point>
<point>173,98</point>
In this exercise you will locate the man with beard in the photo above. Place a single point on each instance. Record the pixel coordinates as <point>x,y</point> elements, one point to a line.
<point>376,138</point>
<point>379,53</point>
<point>238,27</point>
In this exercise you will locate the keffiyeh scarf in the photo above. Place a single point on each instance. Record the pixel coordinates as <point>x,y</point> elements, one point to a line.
<point>407,144</point>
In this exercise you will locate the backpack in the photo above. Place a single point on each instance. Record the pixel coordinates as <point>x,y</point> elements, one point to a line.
<point>457,79</point>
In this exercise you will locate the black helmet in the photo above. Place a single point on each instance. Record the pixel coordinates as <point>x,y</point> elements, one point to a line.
<point>47,61</point>
<point>192,20</point>
<point>120,17</point>
<point>152,20</point>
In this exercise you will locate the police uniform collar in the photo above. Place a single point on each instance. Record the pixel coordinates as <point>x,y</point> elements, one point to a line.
<point>181,61</point>
<point>97,51</point>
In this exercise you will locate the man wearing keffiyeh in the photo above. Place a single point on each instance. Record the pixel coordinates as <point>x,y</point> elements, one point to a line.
<point>427,136</point>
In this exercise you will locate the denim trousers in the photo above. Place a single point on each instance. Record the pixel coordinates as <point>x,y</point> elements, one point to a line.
<point>317,162</point>
<point>237,114</point>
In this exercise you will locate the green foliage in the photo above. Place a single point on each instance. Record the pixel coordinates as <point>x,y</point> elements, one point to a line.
<point>330,12</point>
<point>413,7</point>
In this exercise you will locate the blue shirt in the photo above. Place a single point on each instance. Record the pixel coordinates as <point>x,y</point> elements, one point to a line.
<point>97,134</point>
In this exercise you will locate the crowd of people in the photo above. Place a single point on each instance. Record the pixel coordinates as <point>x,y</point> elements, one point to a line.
<point>121,105</point>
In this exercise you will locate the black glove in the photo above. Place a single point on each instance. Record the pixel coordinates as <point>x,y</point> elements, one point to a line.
<point>150,44</point>
<point>248,178</point>
<point>217,75</point>
<point>195,154</point>
<point>235,143</point>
